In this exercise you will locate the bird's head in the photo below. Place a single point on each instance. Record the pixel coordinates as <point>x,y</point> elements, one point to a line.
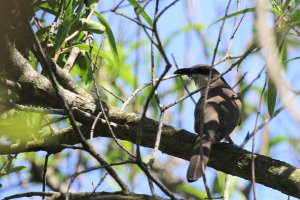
<point>199,74</point>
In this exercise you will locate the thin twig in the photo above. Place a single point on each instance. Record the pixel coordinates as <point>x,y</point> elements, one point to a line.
<point>94,124</point>
<point>76,174</point>
<point>255,79</point>
<point>262,125</point>
<point>71,60</point>
<point>184,85</point>
<point>133,20</point>
<point>227,186</point>
<point>31,108</point>
<point>157,140</point>
<point>253,139</point>
<point>100,182</point>
<point>31,194</point>
<point>165,9</point>
<point>129,99</point>
<point>114,95</point>
<point>234,29</point>
<point>143,167</point>
<point>44,174</point>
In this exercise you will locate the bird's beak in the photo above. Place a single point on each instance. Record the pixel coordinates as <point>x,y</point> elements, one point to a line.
<point>183,71</point>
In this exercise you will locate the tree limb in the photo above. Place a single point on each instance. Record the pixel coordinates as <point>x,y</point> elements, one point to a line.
<point>37,90</point>
<point>86,196</point>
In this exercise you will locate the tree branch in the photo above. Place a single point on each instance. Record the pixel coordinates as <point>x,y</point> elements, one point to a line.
<point>176,142</point>
<point>85,195</point>
<point>37,90</point>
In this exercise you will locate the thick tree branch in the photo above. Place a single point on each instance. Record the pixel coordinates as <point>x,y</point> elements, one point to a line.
<point>85,196</point>
<point>176,142</point>
<point>37,90</point>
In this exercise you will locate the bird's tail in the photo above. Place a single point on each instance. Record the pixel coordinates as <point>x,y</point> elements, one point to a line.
<point>199,158</point>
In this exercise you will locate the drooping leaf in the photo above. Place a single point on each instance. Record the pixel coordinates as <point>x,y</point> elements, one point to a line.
<point>286,4</point>
<point>91,26</point>
<point>63,30</point>
<point>278,139</point>
<point>295,18</point>
<point>110,35</point>
<point>276,6</point>
<point>82,68</point>
<point>275,11</point>
<point>51,7</point>
<point>94,50</point>
<point>139,9</point>
<point>283,54</point>
<point>16,169</point>
<point>193,191</point>
<point>241,12</point>
<point>271,97</point>
<point>292,59</point>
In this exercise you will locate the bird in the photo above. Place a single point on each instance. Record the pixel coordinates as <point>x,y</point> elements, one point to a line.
<point>222,113</point>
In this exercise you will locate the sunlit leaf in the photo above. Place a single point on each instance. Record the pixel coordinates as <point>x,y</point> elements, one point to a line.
<point>276,6</point>
<point>286,4</point>
<point>83,69</point>
<point>68,8</point>
<point>110,35</point>
<point>283,54</point>
<point>278,139</point>
<point>275,11</point>
<point>241,12</point>
<point>295,19</point>
<point>63,30</point>
<point>94,50</point>
<point>139,9</point>
<point>193,191</point>
<point>16,169</point>
<point>292,59</point>
<point>91,26</point>
<point>271,97</point>
<point>51,7</point>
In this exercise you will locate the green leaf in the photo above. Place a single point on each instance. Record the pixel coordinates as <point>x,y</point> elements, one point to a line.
<point>82,68</point>
<point>233,15</point>
<point>276,6</point>
<point>286,4</point>
<point>91,26</point>
<point>271,97</point>
<point>295,19</point>
<point>193,191</point>
<point>94,50</point>
<point>283,54</point>
<point>51,7</point>
<point>275,11</point>
<point>110,35</point>
<point>68,8</point>
<point>139,9</point>
<point>277,140</point>
<point>63,30</point>
<point>292,59</point>
<point>16,169</point>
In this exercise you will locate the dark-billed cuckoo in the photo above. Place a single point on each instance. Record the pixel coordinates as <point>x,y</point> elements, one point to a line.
<point>222,113</point>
